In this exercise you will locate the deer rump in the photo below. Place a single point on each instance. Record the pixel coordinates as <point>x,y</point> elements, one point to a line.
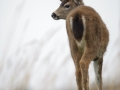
<point>84,23</point>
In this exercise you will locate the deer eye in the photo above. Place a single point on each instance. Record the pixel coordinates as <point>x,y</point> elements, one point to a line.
<point>67,6</point>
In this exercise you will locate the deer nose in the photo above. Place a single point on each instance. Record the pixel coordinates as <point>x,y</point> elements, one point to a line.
<point>54,16</point>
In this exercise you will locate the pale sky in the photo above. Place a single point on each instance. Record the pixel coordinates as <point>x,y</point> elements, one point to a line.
<point>29,35</point>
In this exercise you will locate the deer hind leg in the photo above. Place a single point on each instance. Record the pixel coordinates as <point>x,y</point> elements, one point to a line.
<point>84,71</point>
<point>78,79</point>
<point>78,71</point>
<point>98,72</point>
<point>84,65</point>
<point>76,26</point>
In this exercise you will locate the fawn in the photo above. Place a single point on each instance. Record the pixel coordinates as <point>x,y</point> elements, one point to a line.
<point>88,39</point>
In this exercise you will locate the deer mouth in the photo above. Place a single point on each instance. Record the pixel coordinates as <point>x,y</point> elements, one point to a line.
<point>54,16</point>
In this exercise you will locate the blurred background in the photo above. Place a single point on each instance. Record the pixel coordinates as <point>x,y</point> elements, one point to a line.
<point>34,48</point>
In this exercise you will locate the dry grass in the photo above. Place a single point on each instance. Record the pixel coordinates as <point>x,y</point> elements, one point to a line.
<point>108,86</point>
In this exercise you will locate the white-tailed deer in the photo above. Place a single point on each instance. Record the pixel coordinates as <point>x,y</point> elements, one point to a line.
<point>88,39</point>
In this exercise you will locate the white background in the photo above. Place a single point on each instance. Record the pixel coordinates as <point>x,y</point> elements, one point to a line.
<point>34,48</point>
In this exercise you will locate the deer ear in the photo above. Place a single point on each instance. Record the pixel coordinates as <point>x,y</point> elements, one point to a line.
<point>61,0</point>
<point>78,1</point>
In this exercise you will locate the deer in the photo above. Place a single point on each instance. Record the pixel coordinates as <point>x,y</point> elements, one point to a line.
<point>88,39</point>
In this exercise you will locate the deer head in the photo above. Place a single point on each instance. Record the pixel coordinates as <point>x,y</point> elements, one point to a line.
<point>65,8</point>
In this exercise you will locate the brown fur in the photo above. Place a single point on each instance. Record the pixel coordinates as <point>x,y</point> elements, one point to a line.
<point>94,37</point>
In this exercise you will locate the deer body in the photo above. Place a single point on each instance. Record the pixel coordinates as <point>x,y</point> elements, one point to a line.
<point>88,39</point>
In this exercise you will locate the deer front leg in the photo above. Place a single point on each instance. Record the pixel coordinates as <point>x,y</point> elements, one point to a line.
<point>87,57</point>
<point>98,72</point>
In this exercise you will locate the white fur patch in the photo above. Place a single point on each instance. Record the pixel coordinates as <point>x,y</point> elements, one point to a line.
<point>71,23</point>
<point>81,43</point>
<point>84,24</point>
